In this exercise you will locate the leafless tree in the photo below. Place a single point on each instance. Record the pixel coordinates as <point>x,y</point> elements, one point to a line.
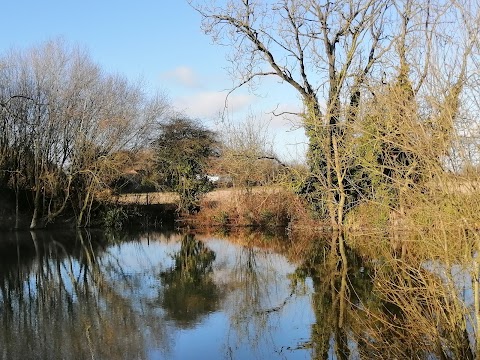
<point>340,56</point>
<point>323,50</point>
<point>247,154</point>
<point>64,120</point>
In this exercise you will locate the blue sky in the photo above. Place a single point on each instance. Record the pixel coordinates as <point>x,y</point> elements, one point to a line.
<point>161,42</point>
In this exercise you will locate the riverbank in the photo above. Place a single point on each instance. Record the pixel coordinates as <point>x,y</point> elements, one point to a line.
<point>260,207</point>
<point>107,212</point>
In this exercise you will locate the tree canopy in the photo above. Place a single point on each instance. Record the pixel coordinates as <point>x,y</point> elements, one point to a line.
<point>63,122</point>
<point>183,149</point>
<point>346,60</point>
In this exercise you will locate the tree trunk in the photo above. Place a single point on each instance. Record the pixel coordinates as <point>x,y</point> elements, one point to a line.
<point>17,203</point>
<point>86,201</point>
<point>36,208</point>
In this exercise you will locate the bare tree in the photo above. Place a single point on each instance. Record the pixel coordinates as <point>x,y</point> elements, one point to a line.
<point>325,51</point>
<point>340,56</point>
<point>247,154</point>
<point>64,120</point>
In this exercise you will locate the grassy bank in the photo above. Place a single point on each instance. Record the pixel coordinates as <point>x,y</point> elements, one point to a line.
<point>268,206</point>
<point>259,207</point>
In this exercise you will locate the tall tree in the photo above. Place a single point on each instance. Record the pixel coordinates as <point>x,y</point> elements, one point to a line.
<point>183,148</point>
<point>323,50</point>
<point>64,120</point>
<point>338,55</point>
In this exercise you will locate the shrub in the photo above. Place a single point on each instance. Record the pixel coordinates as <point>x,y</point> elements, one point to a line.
<point>115,218</point>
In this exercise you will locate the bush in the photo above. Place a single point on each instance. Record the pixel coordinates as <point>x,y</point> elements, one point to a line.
<point>115,218</point>
<point>261,207</point>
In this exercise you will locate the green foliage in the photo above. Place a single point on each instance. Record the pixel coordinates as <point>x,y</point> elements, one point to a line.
<point>183,150</point>
<point>313,187</point>
<point>189,290</point>
<point>381,154</point>
<point>115,218</point>
<point>221,218</point>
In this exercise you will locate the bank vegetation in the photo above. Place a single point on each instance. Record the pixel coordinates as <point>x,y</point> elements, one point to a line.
<point>389,93</point>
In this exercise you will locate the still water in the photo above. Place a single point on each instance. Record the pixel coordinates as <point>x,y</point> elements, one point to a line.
<point>162,295</point>
<point>168,295</point>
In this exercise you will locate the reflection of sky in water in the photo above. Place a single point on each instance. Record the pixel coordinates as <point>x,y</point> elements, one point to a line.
<point>226,333</point>
<point>459,277</point>
<point>256,315</point>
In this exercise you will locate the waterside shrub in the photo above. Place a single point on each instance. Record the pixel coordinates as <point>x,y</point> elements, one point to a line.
<point>260,207</point>
<point>115,218</point>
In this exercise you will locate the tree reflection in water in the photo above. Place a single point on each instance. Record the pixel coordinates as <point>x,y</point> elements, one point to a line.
<point>261,298</point>
<point>85,295</point>
<point>248,311</point>
<point>391,307</point>
<point>89,295</point>
<point>340,284</point>
<point>427,310</point>
<point>57,301</point>
<point>189,291</point>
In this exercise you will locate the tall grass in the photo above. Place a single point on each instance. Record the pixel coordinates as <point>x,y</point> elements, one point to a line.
<point>266,207</point>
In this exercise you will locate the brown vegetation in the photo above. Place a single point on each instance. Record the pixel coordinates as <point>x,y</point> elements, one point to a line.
<point>68,130</point>
<point>264,207</point>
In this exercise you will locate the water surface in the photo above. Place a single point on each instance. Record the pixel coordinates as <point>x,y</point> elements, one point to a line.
<point>92,295</point>
<point>167,295</point>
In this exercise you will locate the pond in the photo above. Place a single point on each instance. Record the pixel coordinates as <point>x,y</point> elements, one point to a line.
<point>170,295</point>
<point>165,295</point>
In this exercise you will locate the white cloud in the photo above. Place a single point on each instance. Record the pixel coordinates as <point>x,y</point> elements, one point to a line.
<point>184,75</point>
<point>210,104</point>
<point>287,136</point>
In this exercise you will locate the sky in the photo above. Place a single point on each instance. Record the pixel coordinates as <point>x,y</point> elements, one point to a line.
<point>161,43</point>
